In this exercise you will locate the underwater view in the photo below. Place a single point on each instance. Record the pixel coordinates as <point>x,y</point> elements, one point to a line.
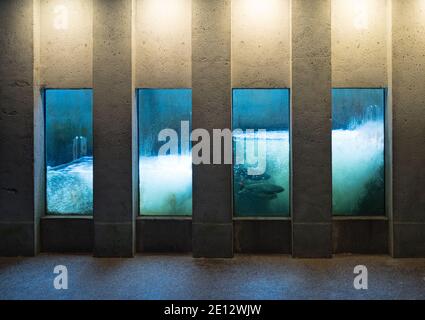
<point>69,152</point>
<point>358,166</point>
<point>70,187</point>
<point>165,181</point>
<point>261,160</point>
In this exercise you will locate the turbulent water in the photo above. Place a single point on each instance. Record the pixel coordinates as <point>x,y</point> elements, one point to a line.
<point>70,187</point>
<point>165,185</point>
<point>358,169</point>
<point>254,194</point>
<point>166,181</point>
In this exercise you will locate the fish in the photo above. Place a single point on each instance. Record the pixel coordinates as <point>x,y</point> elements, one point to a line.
<point>260,177</point>
<point>260,188</point>
<point>241,173</point>
<point>266,196</point>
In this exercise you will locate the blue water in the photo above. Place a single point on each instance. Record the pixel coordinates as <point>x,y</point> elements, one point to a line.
<point>70,187</point>
<point>69,151</point>
<point>265,194</point>
<point>358,167</point>
<point>165,182</point>
<point>358,170</point>
<point>165,185</point>
<point>252,196</point>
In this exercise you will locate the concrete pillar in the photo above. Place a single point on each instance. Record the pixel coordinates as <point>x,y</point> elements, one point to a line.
<point>408,87</point>
<point>359,43</point>
<point>19,98</point>
<point>163,44</point>
<point>311,128</point>
<point>260,44</point>
<point>211,85</point>
<point>67,51</point>
<point>113,108</point>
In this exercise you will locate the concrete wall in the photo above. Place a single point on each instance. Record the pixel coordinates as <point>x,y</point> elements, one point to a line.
<point>163,43</point>
<point>18,102</point>
<point>163,52</point>
<point>359,43</point>
<point>211,103</point>
<point>361,39</point>
<point>66,61</point>
<point>66,43</point>
<point>261,52</point>
<point>39,125</point>
<point>311,128</point>
<point>260,44</point>
<point>113,128</point>
<point>408,88</point>
<point>115,46</point>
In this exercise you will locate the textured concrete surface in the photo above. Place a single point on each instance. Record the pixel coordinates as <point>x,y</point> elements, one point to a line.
<point>113,110</point>
<point>262,236</point>
<point>359,43</point>
<point>361,236</point>
<point>17,104</point>
<point>63,234</point>
<point>181,277</point>
<point>311,128</point>
<point>163,44</point>
<point>39,164</point>
<point>158,234</point>
<point>408,127</point>
<point>211,109</point>
<point>260,44</point>
<point>163,49</point>
<point>67,53</point>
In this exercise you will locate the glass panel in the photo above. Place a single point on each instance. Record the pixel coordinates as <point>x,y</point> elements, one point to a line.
<point>261,161</point>
<point>69,151</point>
<point>358,152</point>
<point>165,181</point>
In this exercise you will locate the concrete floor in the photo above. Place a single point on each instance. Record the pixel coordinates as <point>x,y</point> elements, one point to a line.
<point>182,277</point>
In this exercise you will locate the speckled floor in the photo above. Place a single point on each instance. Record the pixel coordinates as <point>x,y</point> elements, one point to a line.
<point>182,277</point>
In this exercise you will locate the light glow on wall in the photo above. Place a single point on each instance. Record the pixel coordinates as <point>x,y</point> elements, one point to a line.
<point>361,14</point>
<point>262,10</point>
<point>260,6</point>
<point>61,17</point>
<point>164,14</point>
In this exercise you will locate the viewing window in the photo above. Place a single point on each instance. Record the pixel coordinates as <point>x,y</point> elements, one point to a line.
<point>69,151</point>
<point>165,179</point>
<point>358,151</point>
<point>261,158</point>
